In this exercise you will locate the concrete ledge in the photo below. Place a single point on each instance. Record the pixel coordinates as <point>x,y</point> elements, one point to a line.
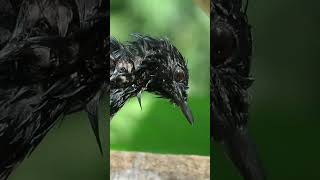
<point>147,166</point>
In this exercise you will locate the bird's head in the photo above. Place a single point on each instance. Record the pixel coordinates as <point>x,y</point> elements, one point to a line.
<point>162,70</point>
<point>231,58</point>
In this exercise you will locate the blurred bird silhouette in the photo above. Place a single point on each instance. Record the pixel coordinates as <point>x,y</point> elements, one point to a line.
<point>53,62</point>
<point>147,64</point>
<point>230,76</point>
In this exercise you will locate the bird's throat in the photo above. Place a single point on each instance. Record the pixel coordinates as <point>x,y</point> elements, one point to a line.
<point>130,81</point>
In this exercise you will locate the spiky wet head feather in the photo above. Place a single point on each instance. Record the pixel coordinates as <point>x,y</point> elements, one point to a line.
<point>147,64</point>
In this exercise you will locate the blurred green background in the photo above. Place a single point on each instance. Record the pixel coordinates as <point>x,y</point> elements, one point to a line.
<point>160,127</point>
<point>284,119</point>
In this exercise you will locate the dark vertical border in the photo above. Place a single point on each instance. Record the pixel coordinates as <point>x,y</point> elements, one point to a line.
<point>106,5</point>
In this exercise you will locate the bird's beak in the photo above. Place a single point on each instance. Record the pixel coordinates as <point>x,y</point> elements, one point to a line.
<point>185,109</point>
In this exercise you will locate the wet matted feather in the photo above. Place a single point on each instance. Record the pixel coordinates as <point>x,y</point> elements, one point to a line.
<point>148,64</point>
<point>231,53</point>
<point>53,62</point>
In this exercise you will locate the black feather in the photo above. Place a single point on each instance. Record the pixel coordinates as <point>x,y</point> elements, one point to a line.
<point>53,62</point>
<point>230,79</point>
<point>147,64</point>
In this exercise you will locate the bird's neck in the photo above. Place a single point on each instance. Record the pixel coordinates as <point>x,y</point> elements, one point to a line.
<point>129,79</point>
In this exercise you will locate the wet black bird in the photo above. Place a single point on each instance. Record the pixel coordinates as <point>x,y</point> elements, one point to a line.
<point>53,62</point>
<point>147,64</point>
<point>230,75</point>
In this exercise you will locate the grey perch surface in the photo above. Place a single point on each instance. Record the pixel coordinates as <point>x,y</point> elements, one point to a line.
<point>148,166</point>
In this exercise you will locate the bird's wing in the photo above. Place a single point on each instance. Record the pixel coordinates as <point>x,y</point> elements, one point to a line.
<point>28,113</point>
<point>25,119</point>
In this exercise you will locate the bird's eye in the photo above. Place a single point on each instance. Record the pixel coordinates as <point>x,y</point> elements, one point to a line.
<point>224,44</point>
<point>179,75</point>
